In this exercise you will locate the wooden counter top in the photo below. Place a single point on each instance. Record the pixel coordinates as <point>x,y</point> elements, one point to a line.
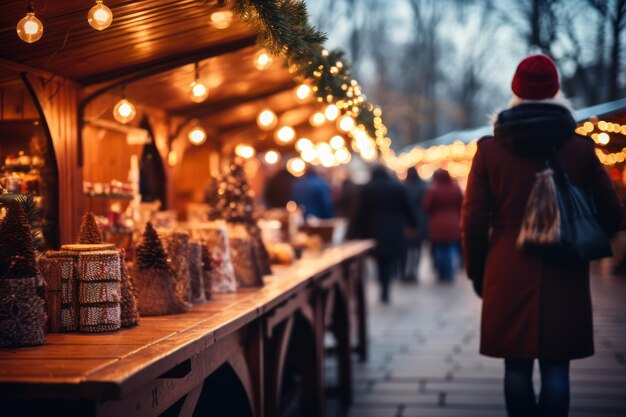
<point>111,365</point>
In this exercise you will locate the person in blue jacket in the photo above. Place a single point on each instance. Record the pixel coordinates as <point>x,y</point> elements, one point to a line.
<point>313,194</point>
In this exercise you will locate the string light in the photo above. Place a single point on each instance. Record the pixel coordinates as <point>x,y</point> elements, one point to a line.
<point>337,142</point>
<point>285,134</point>
<point>317,119</point>
<point>29,28</point>
<point>100,16</point>
<point>124,111</point>
<point>262,60</point>
<point>346,123</point>
<point>272,157</point>
<point>245,151</point>
<point>303,91</point>
<point>197,136</point>
<point>309,154</point>
<point>343,155</point>
<point>222,19</point>
<point>331,112</point>
<point>266,119</point>
<point>303,144</point>
<point>199,92</point>
<point>296,167</point>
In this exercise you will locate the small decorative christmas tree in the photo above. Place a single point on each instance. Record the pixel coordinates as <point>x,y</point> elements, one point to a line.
<point>129,312</point>
<point>238,201</point>
<point>22,309</point>
<point>155,282</point>
<point>89,232</point>
<point>150,252</point>
<point>213,199</point>
<point>33,214</point>
<point>17,254</point>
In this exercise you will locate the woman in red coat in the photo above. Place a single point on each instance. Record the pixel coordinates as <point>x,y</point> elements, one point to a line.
<point>534,307</point>
<point>442,203</point>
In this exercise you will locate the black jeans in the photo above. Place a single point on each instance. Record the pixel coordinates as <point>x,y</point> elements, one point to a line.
<point>387,268</point>
<point>520,394</point>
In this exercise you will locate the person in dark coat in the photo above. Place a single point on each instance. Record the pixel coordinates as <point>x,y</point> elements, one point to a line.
<point>277,191</point>
<point>442,203</point>
<point>534,306</point>
<point>416,188</point>
<point>313,193</point>
<point>383,214</point>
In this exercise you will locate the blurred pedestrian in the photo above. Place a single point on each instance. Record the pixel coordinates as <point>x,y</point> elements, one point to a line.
<point>416,188</point>
<point>383,214</point>
<point>442,203</point>
<point>277,191</point>
<point>535,306</point>
<point>313,193</point>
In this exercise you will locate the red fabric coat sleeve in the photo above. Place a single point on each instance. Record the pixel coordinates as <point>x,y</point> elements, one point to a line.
<point>475,219</point>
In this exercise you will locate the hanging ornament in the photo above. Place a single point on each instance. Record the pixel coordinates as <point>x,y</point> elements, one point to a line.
<point>197,136</point>
<point>100,16</point>
<point>29,28</point>
<point>199,92</point>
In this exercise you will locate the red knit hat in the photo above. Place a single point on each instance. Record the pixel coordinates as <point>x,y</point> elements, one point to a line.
<point>536,78</point>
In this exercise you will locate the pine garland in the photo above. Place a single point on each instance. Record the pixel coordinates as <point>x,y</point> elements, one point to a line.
<point>283,26</point>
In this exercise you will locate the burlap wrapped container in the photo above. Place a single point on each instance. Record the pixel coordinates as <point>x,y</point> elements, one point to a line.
<point>59,271</point>
<point>176,244</point>
<point>195,273</point>
<point>156,292</point>
<point>207,267</point>
<point>99,291</point>
<point>245,261</point>
<point>215,236</point>
<point>129,314</point>
<point>22,312</point>
<point>84,288</point>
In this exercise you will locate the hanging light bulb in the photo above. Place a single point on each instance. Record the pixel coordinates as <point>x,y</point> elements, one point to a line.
<point>124,111</point>
<point>266,120</point>
<point>285,134</point>
<point>29,28</point>
<point>100,16</point>
<point>197,136</point>
<point>199,92</point>
<point>303,91</point>
<point>262,60</point>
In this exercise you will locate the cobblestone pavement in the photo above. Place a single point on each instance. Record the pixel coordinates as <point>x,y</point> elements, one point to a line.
<point>424,359</point>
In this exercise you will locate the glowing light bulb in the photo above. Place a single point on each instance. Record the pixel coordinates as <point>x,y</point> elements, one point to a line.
<point>197,135</point>
<point>100,16</point>
<point>303,91</point>
<point>603,138</point>
<point>296,167</point>
<point>303,143</point>
<point>29,28</point>
<point>124,111</point>
<point>285,134</point>
<point>343,155</point>
<point>331,112</point>
<point>266,120</point>
<point>317,119</point>
<point>222,19</point>
<point>337,142</point>
<point>199,92</point>
<point>346,123</point>
<point>272,157</point>
<point>262,60</point>
<point>309,154</point>
<point>245,151</point>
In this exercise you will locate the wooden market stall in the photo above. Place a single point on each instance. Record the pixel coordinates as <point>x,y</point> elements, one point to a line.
<point>110,115</point>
